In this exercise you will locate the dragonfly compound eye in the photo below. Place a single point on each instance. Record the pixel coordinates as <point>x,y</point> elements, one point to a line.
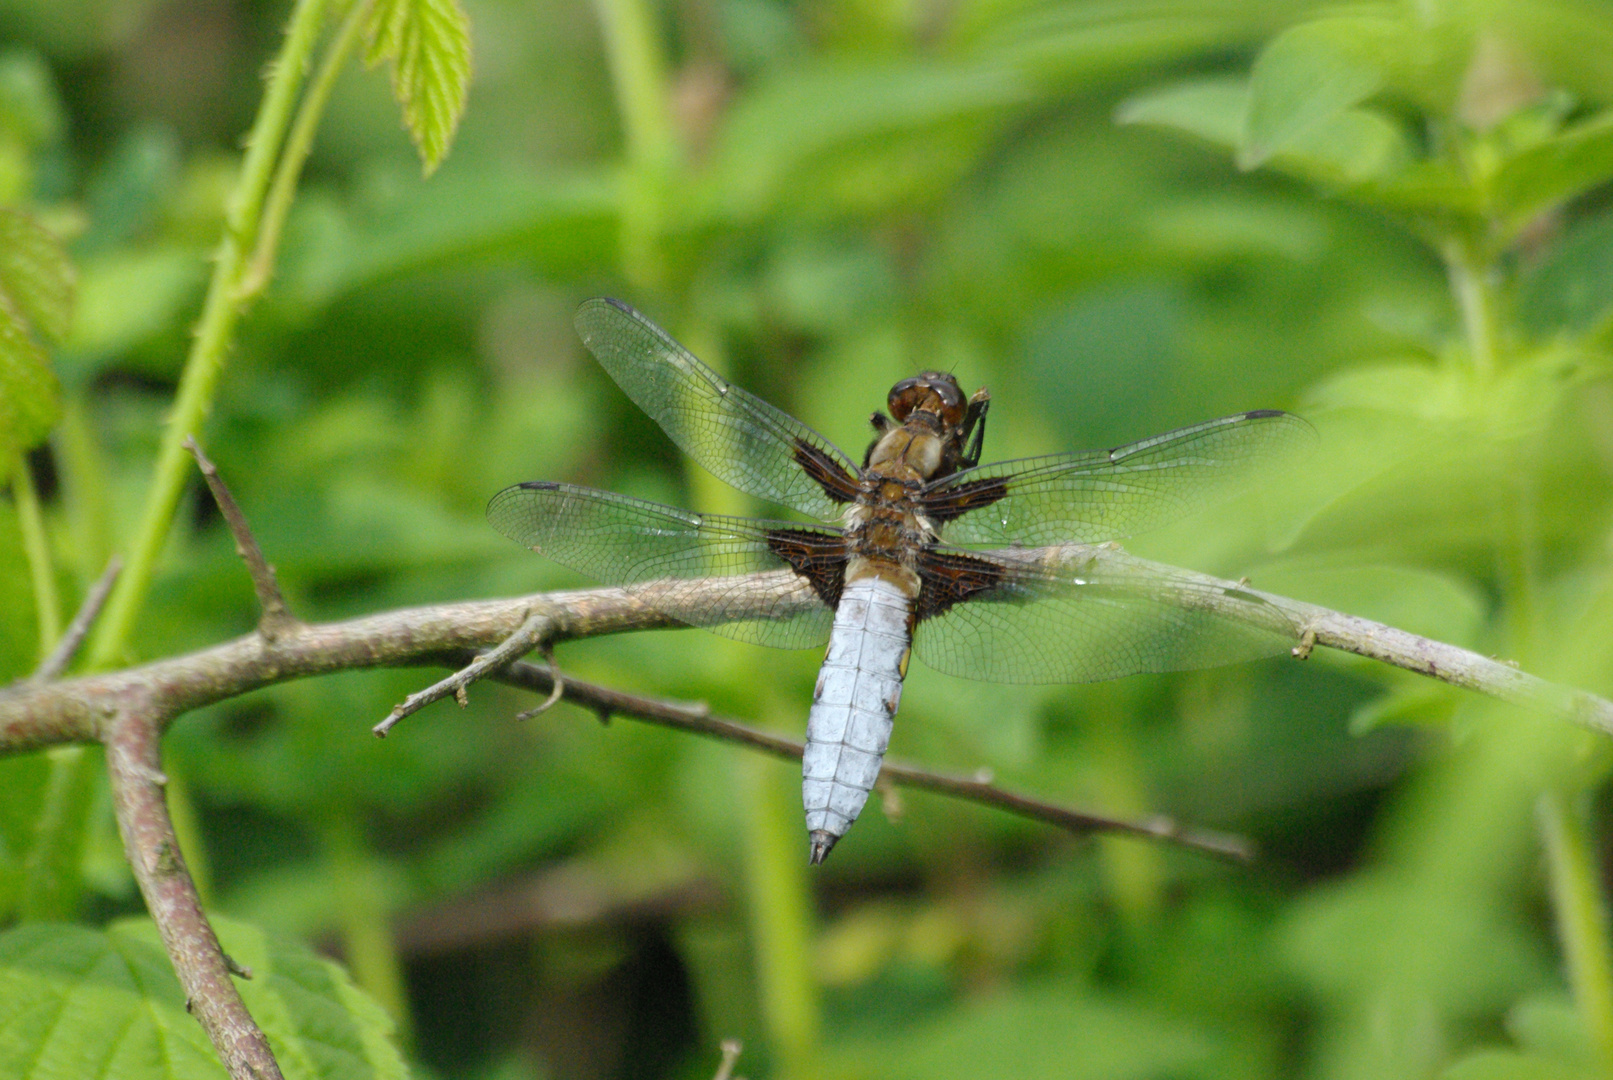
<point>934,391</point>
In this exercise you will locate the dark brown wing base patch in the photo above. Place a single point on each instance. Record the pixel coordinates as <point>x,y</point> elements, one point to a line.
<point>949,578</point>
<point>951,503</point>
<point>818,557</point>
<point>825,472</point>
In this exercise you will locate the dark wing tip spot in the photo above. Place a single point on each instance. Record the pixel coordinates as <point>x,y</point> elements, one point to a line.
<point>1262,414</point>
<point>538,485</point>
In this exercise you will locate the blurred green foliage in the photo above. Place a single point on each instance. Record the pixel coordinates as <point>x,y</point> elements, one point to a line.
<point>1122,217</point>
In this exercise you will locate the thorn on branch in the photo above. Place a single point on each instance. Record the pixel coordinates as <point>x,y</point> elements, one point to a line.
<point>236,968</point>
<point>276,621</point>
<point>56,663</point>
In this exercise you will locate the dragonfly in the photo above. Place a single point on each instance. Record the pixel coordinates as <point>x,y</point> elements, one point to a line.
<point>919,549</point>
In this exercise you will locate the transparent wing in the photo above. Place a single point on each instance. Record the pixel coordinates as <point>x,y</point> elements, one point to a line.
<point>623,541</point>
<point>734,435</point>
<point>1102,495</point>
<point>1023,624</point>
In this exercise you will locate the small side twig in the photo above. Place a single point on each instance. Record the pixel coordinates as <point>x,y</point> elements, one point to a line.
<point>62,655</point>
<point>532,631</point>
<point>555,693</point>
<point>699,720</point>
<point>134,769</point>
<point>276,620</point>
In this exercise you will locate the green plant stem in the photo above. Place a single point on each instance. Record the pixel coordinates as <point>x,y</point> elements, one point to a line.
<point>366,926</point>
<point>1134,873</point>
<point>780,916</point>
<point>215,331</point>
<point>283,189</point>
<point>1581,911</point>
<point>36,547</point>
<point>1472,286</point>
<point>638,74</point>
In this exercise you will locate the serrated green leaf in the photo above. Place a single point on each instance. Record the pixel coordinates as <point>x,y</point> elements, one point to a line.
<point>36,292</point>
<point>1310,74</point>
<point>36,279</point>
<point>28,392</point>
<point>81,1003</point>
<point>428,44</point>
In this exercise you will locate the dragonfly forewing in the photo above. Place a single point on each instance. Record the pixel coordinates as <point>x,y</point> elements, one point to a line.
<point>733,434</point>
<point>1100,495</point>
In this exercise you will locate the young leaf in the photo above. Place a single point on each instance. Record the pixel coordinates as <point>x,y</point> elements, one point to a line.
<point>36,280</point>
<point>1310,74</point>
<point>428,44</point>
<point>36,292</point>
<point>1348,147</point>
<point>76,1002</point>
<point>1212,108</point>
<point>1554,171</point>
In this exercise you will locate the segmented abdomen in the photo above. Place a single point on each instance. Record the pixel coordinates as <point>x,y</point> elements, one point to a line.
<point>857,694</point>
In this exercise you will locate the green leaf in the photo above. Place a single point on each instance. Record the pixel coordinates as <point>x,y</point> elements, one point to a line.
<point>36,280</point>
<point>1556,170</point>
<point>560,226</point>
<point>428,44</point>
<point>855,136</point>
<point>1503,1065</point>
<point>81,1003</point>
<point>36,292</point>
<point>1213,108</point>
<point>1046,1031</point>
<point>1348,147</point>
<point>1571,289</point>
<point>28,392</point>
<point>1308,76</point>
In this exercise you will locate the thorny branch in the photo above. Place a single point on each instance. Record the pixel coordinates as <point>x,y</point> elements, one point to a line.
<point>127,710</point>
<point>134,770</point>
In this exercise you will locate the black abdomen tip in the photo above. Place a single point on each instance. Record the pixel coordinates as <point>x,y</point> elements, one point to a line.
<point>821,841</point>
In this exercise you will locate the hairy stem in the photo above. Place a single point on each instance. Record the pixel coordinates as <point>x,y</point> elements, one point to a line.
<point>283,189</point>
<point>215,332</point>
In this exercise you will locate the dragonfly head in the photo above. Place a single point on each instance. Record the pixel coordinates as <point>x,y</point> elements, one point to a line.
<point>933,392</point>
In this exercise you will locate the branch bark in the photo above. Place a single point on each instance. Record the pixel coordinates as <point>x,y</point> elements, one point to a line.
<point>73,710</point>
<point>128,710</point>
<point>134,769</point>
